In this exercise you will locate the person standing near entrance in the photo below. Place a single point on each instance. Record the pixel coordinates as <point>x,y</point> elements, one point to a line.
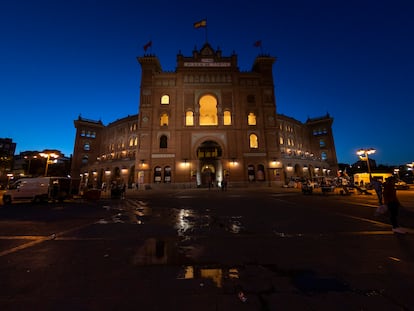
<point>393,204</point>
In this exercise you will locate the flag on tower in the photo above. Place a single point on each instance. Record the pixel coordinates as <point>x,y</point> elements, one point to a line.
<point>258,43</point>
<point>199,24</point>
<point>146,46</point>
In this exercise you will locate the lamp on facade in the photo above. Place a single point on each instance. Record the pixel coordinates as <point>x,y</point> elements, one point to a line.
<point>48,161</point>
<point>363,155</point>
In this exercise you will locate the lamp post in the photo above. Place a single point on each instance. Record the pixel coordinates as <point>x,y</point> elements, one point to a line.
<point>29,158</point>
<point>48,156</point>
<point>363,155</point>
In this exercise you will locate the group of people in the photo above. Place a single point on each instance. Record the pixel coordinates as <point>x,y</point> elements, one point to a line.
<point>387,195</point>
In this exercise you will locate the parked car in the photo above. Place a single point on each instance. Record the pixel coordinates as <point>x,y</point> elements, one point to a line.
<point>401,185</point>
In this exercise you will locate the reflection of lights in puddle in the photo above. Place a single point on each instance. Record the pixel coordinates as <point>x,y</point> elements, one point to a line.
<point>287,235</point>
<point>117,218</point>
<point>185,221</point>
<point>217,275</point>
<point>235,224</point>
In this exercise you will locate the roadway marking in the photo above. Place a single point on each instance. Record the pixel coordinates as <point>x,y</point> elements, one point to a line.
<point>378,223</point>
<point>23,246</point>
<point>38,239</point>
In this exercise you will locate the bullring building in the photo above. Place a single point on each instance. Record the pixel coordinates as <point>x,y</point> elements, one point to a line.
<point>202,124</point>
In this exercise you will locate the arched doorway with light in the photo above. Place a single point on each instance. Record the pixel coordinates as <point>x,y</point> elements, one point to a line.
<point>210,168</point>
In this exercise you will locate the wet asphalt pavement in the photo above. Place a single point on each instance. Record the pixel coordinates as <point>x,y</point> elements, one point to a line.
<point>200,249</point>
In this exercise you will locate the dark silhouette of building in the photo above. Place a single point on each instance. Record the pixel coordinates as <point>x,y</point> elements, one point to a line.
<point>7,150</point>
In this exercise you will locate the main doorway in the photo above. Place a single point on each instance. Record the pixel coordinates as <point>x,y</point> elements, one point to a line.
<point>210,168</point>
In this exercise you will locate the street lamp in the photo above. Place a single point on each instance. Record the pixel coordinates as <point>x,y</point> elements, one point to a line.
<point>363,155</point>
<point>48,161</point>
<point>29,158</point>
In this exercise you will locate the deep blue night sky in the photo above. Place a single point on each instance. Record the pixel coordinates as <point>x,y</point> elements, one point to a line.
<point>351,59</point>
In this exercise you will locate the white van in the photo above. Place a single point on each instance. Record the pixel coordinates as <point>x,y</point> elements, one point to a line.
<point>37,189</point>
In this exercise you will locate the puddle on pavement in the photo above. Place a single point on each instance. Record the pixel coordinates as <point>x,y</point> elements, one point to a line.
<point>218,276</point>
<point>189,222</point>
<point>186,221</point>
<point>182,251</point>
<point>258,279</point>
<point>130,212</point>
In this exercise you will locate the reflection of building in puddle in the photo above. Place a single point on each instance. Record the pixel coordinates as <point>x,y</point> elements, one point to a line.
<point>153,251</point>
<point>217,275</point>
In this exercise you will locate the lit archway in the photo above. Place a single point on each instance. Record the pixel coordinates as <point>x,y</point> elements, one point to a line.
<point>208,110</point>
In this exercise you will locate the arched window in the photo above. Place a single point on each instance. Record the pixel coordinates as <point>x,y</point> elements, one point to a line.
<point>251,173</point>
<point>86,146</point>
<point>251,119</point>
<point>164,119</point>
<point>254,142</point>
<point>157,174</point>
<point>163,141</point>
<point>260,175</point>
<point>167,174</point>
<point>208,110</point>
<point>85,159</point>
<point>131,141</point>
<point>324,156</point>
<point>189,118</point>
<point>165,100</point>
<point>136,141</point>
<point>227,118</point>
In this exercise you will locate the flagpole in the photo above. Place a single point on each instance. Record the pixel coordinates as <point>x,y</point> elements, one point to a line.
<point>206,29</point>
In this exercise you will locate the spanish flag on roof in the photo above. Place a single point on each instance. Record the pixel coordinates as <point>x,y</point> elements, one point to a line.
<point>199,24</point>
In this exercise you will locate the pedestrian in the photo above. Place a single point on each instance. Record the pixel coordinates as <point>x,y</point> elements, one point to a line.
<point>123,191</point>
<point>377,185</point>
<point>393,204</point>
<point>224,184</point>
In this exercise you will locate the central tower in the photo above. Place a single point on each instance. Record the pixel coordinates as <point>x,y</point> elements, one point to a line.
<point>207,121</point>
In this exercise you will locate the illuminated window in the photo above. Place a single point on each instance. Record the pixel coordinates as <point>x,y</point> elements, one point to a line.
<point>254,143</point>
<point>136,141</point>
<point>165,100</point>
<point>157,174</point>
<point>281,140</point>
<point>251,119</point>
<point>189,118</point>
<point>227,118</point>
<point>163,141</point>
<point>164,119</point>
<point>167,174</point>
<point>208,110</point>
<point>131,141</point>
